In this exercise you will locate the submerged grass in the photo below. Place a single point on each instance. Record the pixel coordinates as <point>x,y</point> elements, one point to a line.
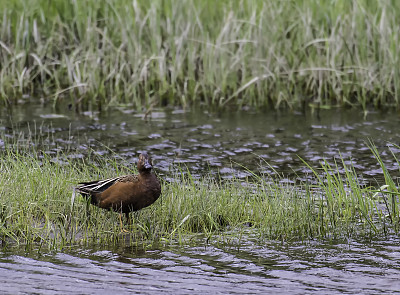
<point>36,209</point>
<point>94,54</point>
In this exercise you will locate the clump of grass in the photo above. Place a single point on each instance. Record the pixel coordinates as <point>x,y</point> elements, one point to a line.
<point>36,209</point>
<point>249,53</point>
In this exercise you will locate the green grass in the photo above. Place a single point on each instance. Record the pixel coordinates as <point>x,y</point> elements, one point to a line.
<point>96,54</point>
<point>36,209</point>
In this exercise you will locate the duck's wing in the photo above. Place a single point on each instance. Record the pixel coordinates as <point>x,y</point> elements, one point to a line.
<point>98,186</point>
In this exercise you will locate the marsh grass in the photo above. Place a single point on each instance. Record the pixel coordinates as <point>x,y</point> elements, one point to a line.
<point>223,53</point>
<point>36,209</point>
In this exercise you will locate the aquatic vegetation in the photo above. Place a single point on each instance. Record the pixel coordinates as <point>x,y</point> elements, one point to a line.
<point>35,205</point>
<point>94,54</point>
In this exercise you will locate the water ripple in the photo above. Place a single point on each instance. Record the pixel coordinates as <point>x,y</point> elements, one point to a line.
<point>273,268</point>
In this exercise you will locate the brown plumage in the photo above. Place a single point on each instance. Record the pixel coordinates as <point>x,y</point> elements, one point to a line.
<point>127,193</point>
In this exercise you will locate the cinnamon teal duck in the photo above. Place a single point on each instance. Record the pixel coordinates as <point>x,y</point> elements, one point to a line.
<point>126,193</point>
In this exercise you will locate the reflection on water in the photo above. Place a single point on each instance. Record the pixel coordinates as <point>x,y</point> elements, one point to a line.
<point>272,268</point>
<point>217,142</point>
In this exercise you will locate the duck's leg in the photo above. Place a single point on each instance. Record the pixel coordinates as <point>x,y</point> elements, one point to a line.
<point>122,226</point>
<point>128,220</point>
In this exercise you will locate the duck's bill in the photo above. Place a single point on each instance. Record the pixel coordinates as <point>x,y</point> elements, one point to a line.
<point>147,165</point>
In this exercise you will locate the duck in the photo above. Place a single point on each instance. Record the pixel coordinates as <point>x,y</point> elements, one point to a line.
<point>124,194</point>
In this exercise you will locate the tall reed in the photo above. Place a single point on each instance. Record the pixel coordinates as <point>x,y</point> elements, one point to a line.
<point>96,54</point>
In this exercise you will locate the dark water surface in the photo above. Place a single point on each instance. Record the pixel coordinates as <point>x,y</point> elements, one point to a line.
<point>210,143</point>
<point>216,142</point>
<point>273,268</point>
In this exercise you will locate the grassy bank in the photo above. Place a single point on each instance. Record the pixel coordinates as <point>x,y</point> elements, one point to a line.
<point>94,54</point>
<point>35,206</point>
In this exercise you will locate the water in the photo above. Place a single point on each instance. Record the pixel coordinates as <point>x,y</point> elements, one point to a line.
<point>272,268</point>
<point>220,142</point>
<point>210,143</point>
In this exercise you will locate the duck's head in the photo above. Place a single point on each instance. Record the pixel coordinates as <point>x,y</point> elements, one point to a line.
<point>144,164</point>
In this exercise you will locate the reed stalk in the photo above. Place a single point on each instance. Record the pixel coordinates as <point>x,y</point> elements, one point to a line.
<point>291,54</point>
